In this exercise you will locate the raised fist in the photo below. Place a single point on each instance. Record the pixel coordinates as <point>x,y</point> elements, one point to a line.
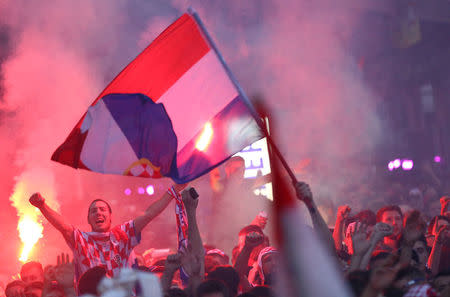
<point>37,200</point>
<point>381,230</point>
<point>343,212</point>
<point>445,202</point>
<point>303,191</point>
<point>189,201</point>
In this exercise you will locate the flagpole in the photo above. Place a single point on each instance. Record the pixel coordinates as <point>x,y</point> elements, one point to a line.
<point>242,94</point>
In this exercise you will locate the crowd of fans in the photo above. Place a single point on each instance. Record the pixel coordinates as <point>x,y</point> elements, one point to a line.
<point>389,253</point>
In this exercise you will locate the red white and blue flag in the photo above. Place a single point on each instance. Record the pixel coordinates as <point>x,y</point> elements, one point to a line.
<point>173,111</point>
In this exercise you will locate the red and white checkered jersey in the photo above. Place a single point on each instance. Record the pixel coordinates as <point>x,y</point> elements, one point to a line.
<point>110,250</point>
<point>423,290</point>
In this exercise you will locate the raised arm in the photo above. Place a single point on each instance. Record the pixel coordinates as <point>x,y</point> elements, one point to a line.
<point>194,238</point>
<point>173,263</point>
<point>252,240</point>
<point>304,194</point>
<point>380,231</point>
<point>155,209</point>
<point>342,214</point>
<point>445,202</point>
<point>194,259</point>
<point>435,255</point>
<point>53,217</point>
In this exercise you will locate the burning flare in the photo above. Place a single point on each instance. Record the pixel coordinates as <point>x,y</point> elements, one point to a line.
<point>30,231</point>
<point>29,225</point>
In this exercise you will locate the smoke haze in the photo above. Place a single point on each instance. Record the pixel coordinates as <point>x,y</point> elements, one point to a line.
<point>61,54</point>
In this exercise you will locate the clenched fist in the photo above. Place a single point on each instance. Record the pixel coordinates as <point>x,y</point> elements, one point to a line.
<point>303,191</point>
<point>343,212</point>
<point>37,200</point>
<point>190,202</point>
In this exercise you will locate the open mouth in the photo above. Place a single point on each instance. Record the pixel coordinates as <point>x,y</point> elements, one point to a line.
<point>99,220</point>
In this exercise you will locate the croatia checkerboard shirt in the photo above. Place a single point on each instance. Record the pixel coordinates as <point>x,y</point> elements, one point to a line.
<point>110,250</point>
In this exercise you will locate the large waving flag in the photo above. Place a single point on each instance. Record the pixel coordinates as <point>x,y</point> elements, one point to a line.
<point>173,111</point>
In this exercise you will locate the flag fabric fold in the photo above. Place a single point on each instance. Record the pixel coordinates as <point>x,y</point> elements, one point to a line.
<point>172,112</point>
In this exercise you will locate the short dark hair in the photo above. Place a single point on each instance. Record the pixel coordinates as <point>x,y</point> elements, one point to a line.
<point>212,286</point>
<point>30,265</point>
<point>96,200</point>
<point>388,208</point>
<point>90,279</point>
<point>262,291</point>
<point>423,239</point>
<point>176,292</point>
<point>250,228</point>
<point>228,275</point>
<point>366,217</point>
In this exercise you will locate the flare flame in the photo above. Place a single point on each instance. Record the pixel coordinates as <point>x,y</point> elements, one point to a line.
<point>30,231</point>
<point>29,225</point>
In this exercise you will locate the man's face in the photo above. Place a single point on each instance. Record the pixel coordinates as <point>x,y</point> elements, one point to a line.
<point>99,217</point>
<point>421,250</point>
<point>214,260</point>
<point>269,263</point>
<point>442,285</point>
<point>33,274</point>
<point>394,219</point>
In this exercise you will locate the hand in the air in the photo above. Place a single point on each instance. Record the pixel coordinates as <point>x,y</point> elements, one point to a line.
<point>343,212</point>
<point>37,200</point>
<point>359,240</point>
<point>445,203</point>
<point>253,239</point>
<point>303,191</point>
<point>189,202</point>
<point>380,231</point>
<point>64,271</point>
